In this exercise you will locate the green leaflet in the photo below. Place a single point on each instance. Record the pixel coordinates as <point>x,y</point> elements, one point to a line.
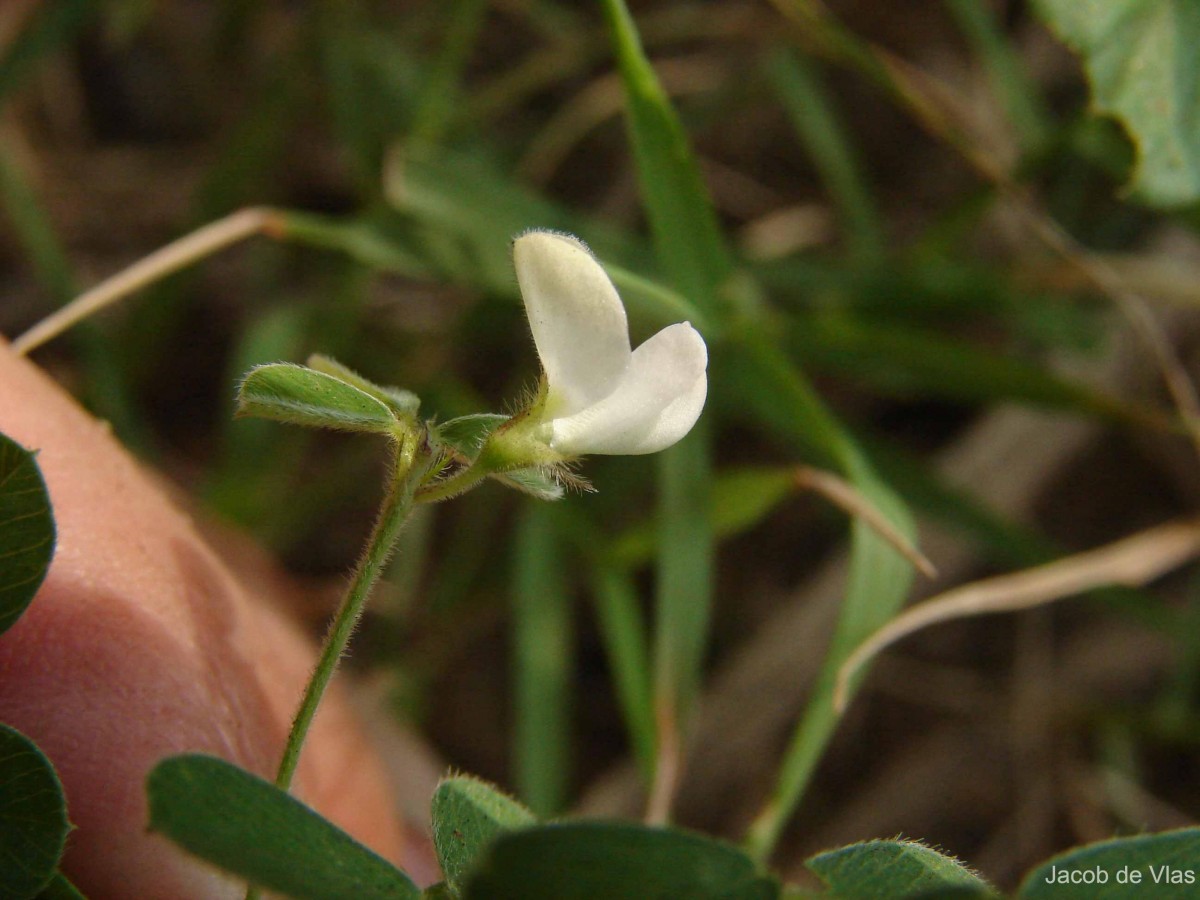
<point>287,392</point>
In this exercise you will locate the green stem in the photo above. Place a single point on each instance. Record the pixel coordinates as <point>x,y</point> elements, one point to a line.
<point>408,469</point>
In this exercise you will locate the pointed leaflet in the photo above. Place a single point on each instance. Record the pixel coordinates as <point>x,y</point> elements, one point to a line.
<point>287,392</point>
<point>403,403</point>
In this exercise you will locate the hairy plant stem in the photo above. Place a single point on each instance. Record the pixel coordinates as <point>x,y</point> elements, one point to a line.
<point>411,462</point>
<point>454,485</point>
<point>409,466</point>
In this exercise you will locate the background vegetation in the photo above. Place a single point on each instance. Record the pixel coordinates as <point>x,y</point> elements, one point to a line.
<point>913,201</point>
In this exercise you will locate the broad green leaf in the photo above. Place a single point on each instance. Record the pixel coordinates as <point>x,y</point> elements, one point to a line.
<point>251,828</point>
<point>599,860</point>
<point>467,434</point>
<point>1140,57</point>
<point>403,403</point>
<point>287,392</point>
<point>26,531</point>
<point>467,815</point>
<point>1164,865</point>
<point>895,869</point>
<point>33,817</point>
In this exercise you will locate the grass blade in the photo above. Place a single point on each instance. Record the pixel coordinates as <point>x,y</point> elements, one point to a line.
<point>686,235</point>
<point>623,631</point>
<point>1016,91</point>
<point>542,658</point>
<point>50,26</point>
<point>879,577</point>
<point>696,260</point>
<point>808,107</point>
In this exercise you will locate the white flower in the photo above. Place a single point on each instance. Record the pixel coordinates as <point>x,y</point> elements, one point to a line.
<point>603,397</point>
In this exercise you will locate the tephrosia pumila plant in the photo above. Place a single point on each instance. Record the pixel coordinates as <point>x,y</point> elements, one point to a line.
<point>595,395</point>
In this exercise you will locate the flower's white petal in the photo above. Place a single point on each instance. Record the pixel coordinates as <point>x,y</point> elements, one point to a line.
<point>578,321</point>
<point>674,422</point>
<point>655,404</point>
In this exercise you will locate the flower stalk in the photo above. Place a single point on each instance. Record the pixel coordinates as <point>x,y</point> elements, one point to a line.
<point>411,462</point>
